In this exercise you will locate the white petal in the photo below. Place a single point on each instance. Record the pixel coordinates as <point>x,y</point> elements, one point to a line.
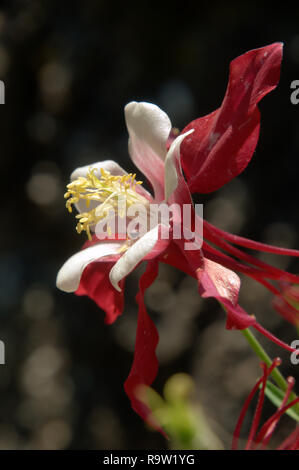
<point>68,277</point>
<point>133,256</point>
<point>108,165</point>
<point>149,124</point>
<point>148,128</point>
<point>172,161</point>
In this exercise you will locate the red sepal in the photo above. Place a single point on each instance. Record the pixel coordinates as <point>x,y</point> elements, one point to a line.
<point>223,142</point>
<point>95,283</point>
<point>145,364</point>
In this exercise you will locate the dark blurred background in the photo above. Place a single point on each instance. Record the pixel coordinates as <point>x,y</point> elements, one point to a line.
<point>69,68</point>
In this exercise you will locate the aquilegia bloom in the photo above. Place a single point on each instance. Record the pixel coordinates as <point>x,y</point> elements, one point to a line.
<point>213,150</point>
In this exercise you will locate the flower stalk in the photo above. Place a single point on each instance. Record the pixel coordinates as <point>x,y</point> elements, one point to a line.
<point>276,374</point>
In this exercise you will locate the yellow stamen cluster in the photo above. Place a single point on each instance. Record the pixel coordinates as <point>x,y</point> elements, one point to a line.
<point>106,191</point>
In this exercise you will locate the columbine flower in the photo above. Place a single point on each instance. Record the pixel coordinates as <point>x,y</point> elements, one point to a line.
<point>260,439</point>
<point>100,269</point>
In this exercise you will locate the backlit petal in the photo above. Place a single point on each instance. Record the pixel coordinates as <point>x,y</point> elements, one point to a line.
<point>133,256</point>
<point>68,277</point>
<point>149,128</point>
<point>223,142</point>
<point>145,365</point>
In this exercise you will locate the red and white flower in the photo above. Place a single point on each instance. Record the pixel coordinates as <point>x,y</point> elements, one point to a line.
<point>213,150</point>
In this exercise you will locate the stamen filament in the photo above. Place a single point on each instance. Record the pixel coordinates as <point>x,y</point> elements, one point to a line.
<point>106,191</point>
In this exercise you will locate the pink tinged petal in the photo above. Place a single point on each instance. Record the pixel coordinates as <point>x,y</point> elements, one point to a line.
<point>198,265</point>
<point>224,285</point>
<point>150,124</point>
<point>68,277</point>
<point>108,165</point>
<point>145,365</point>
<point>149,128</point>
<point>219,281</point>
<point>259,275</point>
<point>216,281</point>
<point>268,271</point>
<point>176,189</point>
<point>223,142</point>
<point>149,246</point>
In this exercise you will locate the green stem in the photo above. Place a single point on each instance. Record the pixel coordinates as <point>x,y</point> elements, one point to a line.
<point>261,353</point>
